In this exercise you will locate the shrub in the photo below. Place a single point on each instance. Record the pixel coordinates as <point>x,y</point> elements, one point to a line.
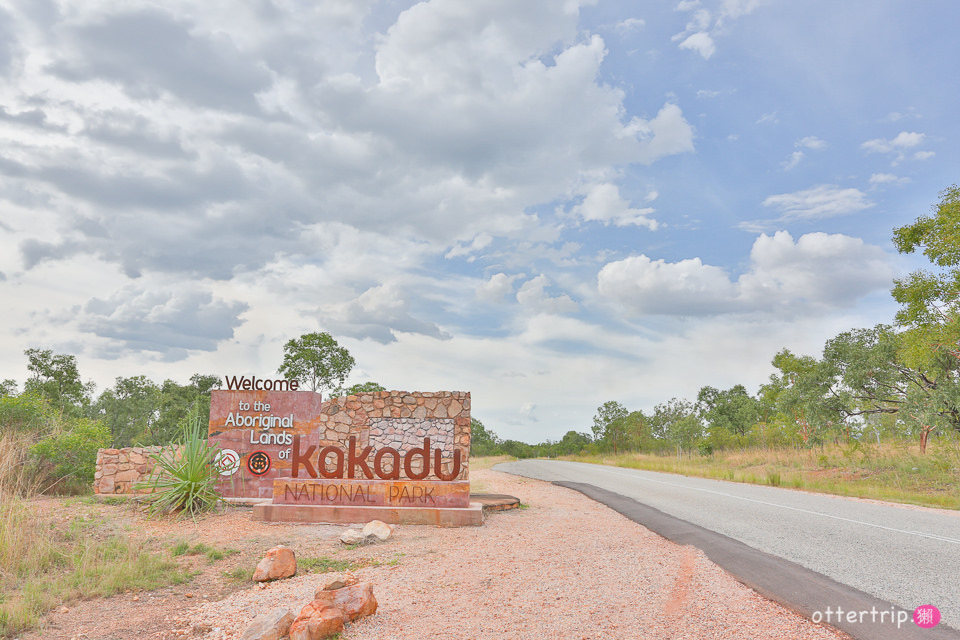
<point>69,457</point>
<point>184,478</point>
<point>25,413</point>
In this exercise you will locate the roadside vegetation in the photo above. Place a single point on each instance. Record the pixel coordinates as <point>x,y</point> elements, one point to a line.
<point>895,472</point>
<point>46,562</point>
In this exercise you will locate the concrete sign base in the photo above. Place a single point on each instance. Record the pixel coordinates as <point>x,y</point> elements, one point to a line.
<point>345,514</point>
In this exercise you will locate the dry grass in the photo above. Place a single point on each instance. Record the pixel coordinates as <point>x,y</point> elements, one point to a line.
<point>895,472</point>
<point>484,462</point>
<point>15,479</point>
<point>44,563</point>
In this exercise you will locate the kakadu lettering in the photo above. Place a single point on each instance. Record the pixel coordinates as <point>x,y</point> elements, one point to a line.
<point>348,462</point>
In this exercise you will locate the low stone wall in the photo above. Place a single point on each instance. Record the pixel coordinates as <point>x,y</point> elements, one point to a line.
<point>119,469</point>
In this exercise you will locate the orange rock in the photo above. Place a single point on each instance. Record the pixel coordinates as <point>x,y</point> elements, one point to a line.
<point>280,562</point>
<point>354,601</point>
<point>269,626</point>
<point>316,622</point>
<point>334,581</point>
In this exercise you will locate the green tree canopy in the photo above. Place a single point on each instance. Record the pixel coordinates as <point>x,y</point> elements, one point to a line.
<point>55,377</point>
<point>482,441</point>
<point>317,360</point>
<point>129,409</point>
<point>930,300</point>
<point>8,387</point>
<point>930,315</point>
<point>607,414</point>
<point>362,387</point>
<point>734,410</point>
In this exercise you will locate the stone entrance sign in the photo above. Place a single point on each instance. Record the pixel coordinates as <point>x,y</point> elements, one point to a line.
<point>255,431</point>
<point>393,455</point>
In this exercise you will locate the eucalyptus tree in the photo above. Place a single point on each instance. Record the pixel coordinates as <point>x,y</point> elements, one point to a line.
<point>730,415</point>
<point>930,316</point>
<point>317,360</point>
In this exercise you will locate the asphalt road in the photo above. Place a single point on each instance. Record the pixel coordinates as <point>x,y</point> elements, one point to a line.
<point>902,555</point>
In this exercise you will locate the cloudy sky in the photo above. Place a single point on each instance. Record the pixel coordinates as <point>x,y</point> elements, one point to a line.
<point>548,203</point>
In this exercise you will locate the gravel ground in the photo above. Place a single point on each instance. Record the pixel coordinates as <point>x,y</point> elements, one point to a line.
<point>564,567</point>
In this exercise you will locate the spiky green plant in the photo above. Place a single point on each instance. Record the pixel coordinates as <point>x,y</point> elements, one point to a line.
<point>184,478</point>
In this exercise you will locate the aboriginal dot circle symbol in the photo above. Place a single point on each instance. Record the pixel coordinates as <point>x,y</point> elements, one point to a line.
<point>258,463</point>
<point>227,462</point>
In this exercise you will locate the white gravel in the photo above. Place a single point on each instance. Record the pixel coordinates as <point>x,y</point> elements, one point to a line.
<point>565,567</point>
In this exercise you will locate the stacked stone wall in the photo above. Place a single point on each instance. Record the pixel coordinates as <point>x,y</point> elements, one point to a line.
<point>118,470</point>
<point>401,420</point>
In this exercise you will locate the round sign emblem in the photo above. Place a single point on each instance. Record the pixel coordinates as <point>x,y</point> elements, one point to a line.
<point>258,463</point>
<point>226,462</point>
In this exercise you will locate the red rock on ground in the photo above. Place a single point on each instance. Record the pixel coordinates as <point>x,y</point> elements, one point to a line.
<point>280,562</point>
<point>355,601</point>
<point>316,622</point>
<point>330,610</point>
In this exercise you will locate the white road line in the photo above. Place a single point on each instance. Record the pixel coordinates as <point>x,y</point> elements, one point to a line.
<point>931,536</point>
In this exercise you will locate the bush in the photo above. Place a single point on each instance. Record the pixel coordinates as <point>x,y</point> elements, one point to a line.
<point>68,458</point>
<point>184,479</point>
<point>26,413</point>
<point>518,449</point>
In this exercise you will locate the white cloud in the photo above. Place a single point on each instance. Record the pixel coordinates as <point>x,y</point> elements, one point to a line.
<point>795,158</point>
<point>823,201</point>
<point>705,24</point>
<point>629,25</point>
<point>768,118</point>
<point>702,43</point>
<point>811,142</point>
<point>655,287</point>
<point>666,135</point>
<point>819,272</point>
<point>533,295</point>
<point>603,203</point>
<point>924,155</point>
<point>496,288</point>
<point>287,167</point>
<point>379,313</point>
<point>903,140</point>
<point>172,321</point>
<point>528,410</point>
<point>481,241</point>
<point>887,178</point>
<point>738,8</point>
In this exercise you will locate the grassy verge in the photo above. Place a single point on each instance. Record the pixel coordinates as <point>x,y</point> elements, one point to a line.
<point>893,472</point>
<point>325,564</point>
<point>44,564</point>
